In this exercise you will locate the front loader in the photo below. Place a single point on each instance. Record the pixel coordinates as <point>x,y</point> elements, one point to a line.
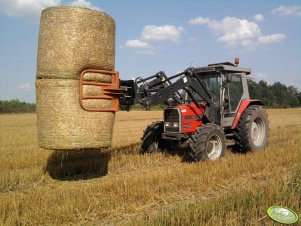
<point>205,106</point>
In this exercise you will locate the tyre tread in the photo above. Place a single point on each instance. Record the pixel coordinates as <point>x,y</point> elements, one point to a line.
<point>241,133</point>
<point>198,140</point>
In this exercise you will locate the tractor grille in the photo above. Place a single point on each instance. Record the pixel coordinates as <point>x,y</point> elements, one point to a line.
<point>172,116</point>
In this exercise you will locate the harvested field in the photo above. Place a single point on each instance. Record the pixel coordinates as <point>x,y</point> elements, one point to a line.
<point>121,187</point>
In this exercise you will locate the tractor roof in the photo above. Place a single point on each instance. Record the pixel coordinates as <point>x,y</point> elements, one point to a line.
<point>220,67</point>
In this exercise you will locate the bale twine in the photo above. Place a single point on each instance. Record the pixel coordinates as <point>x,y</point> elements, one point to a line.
<point>63,124</point>
<point>72,39</point>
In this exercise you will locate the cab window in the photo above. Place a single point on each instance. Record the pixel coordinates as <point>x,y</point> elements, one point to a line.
<point>234,91</point>
<point>212,84</point>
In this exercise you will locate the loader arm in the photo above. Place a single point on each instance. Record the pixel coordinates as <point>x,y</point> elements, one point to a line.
<point>159,88</point>
<point>186,83</point>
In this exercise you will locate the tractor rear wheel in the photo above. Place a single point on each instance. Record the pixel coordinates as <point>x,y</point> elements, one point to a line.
<point>208,142</point>
<point>151,139</point>
<point>252,130</point>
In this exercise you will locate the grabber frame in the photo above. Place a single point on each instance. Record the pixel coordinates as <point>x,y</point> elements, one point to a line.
<point>109,91</point>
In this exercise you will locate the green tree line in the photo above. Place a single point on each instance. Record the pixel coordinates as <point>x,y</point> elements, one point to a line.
<point>16,106</point>
<point>276,95</point>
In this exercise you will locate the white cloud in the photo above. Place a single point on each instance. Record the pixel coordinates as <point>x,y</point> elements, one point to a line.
<point>258,17</point>
<point>143,48</point>
<point>145,52</point>
<point>283,10</point>
<point>137,44</point>
<point>232,31</point>
<point>29,9</point>
<point>24,87</point>
<point>162,33</point>
<point>84,3</point>
<point>268,39</point>
<point>248,43</point>
<point>154,33</point>
<point>199,21</point>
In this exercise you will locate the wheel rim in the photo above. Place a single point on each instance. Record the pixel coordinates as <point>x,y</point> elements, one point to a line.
<point>214,147</point>
<point>258,131</point>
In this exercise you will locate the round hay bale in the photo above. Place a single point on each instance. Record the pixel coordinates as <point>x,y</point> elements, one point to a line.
<point>90,90</point>
<point>72,39</point>
<point>63,124</point>
<point>97,77</point>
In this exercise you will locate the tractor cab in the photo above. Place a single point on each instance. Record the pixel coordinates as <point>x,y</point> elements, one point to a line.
<point>227,85</point>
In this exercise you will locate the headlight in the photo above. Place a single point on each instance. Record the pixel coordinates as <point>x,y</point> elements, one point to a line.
<point>175,124</point>
<point>168,124</point>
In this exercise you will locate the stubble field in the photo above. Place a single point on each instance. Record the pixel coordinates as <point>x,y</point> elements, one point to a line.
<point>121,187</point>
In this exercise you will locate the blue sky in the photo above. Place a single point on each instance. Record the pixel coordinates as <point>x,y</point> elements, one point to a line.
<point>165,35</point>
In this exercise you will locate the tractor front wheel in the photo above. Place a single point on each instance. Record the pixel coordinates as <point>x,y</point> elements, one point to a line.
<point>252,130</point>
<point>208,142</point>
<point>151,139</point>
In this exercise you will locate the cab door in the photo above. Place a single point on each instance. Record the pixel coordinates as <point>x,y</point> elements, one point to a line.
<point>234,93</point>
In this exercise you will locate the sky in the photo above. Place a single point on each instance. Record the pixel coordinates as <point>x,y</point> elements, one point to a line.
<point>168,36</point>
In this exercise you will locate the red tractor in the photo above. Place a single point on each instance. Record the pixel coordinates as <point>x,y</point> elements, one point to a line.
<point>206,105</point>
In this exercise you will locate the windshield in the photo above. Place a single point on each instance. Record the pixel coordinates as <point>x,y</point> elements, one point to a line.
<point>212,84</point>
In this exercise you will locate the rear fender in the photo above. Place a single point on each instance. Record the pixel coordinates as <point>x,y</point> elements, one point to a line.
<point>242,107</point>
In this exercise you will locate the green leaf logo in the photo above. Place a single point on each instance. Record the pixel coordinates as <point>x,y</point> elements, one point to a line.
<point>282,215</point>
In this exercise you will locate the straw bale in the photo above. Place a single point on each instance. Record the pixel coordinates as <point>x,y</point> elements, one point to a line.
<point>91,90</point>
<point>63,124</point>
<point>90,103</point>
<point>72,39</point>
<point>97,77</point>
